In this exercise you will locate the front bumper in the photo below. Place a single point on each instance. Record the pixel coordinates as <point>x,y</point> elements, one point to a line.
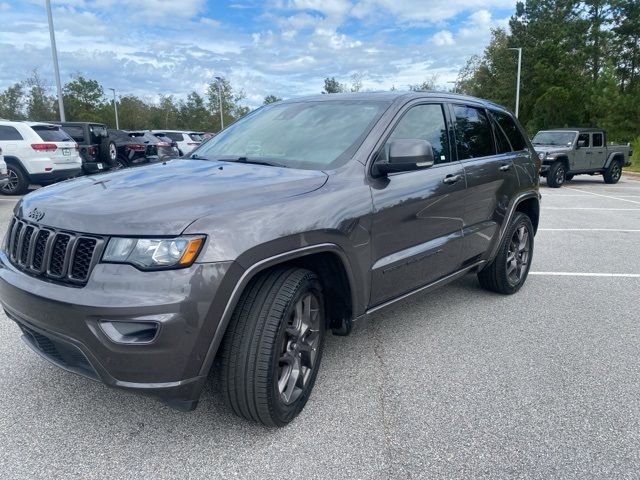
<point>63,323</point>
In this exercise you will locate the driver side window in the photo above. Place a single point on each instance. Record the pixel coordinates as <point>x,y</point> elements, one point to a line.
<point>583,137</point>
<point>425,122</point>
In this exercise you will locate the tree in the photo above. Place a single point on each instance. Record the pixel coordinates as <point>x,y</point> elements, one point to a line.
<point>193,113</point>
<point>428,84</point>
<point>12,103</point>
<point>40,103</point>
<point>271,99</point>
<point>83,99</point>
<point>356,82</point>
<point>231,107</point>
<point>331,85</point>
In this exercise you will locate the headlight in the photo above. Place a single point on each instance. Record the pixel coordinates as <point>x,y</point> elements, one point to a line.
<point>153,253</point>
<point>542,155</point>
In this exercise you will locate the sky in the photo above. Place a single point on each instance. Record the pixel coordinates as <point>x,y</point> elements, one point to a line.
<point>280,47</point>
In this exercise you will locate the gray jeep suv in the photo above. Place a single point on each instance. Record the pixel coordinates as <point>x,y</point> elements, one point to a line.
<point>300,218</point>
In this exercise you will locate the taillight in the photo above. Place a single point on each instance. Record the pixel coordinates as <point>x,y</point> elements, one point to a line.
<point>44,147</point>
<point>92,150</point>
<point>136,147</point>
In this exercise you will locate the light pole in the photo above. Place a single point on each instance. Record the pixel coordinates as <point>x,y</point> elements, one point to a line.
<point>455,86</point>
<point>220,94</point>
<point>56,70</point>
<point>518,79</point>
<point>115,107</point>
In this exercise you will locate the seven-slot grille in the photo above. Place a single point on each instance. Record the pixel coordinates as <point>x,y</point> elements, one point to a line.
<point>41,251</point>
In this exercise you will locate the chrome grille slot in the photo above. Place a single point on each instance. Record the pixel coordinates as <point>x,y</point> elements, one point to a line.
<point>62,256</point>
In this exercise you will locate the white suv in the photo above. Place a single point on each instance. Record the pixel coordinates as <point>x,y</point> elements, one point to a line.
<point>4,178</point>
<point>186,140</point>
<point>37,153</point>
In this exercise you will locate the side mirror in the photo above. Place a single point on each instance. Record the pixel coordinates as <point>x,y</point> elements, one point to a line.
<point>581,144</point>
<point>407,154</point>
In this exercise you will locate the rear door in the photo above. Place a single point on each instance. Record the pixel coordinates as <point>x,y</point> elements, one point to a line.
<point>492,181</point>
<point>599,155</point>
<point>417,221</point>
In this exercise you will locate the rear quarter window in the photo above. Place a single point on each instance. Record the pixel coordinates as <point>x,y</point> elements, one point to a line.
<point>512,131</point>
<point>8,133</point>
<point>51,134</point>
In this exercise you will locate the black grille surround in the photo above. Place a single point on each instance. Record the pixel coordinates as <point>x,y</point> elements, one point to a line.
<point>61,256</point>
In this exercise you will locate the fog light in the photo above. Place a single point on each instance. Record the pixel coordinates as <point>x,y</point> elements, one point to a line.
<point>129,332</point>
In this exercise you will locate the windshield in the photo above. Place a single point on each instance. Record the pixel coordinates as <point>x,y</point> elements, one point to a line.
<point>308,135</point>
<point>564,139</point>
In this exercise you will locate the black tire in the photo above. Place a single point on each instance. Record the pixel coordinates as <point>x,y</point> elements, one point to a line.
<point>261,336</point>
<point>613,173</point>
<point>557,175</point>
<point>568,177</point>
<point>120,164</point>
<point>497,277</point>
<point>18,181</point>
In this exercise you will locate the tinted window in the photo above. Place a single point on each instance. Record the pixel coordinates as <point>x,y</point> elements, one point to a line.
<point>196,137</point>
<point>597,140</point>
<point>501,139</point>
<point>425,122</point>
<point>584,137</point>
<point>9,133</point>
<point>50,133</point>
<point>512,131</point>
<point>77,133</point>
<point>474,137</point>
<point>176,137</point>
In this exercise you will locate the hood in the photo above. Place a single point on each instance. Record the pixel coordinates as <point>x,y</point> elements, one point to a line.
<point>164,198</point>
<point>549,149</point>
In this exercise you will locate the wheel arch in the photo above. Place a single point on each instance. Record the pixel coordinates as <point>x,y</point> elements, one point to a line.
<point>323,259</point>
<point>564,160</point>
<point>614,156</point>
<point>16,162</point>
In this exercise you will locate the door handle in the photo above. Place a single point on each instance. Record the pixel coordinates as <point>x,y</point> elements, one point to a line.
<point>588,153</point>
<point>505,167</point>
<point>451,179</point>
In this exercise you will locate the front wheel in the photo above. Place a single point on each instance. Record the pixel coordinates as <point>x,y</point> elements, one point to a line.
<point>508,271</point>
<point>272,349</point>
<point>613,173</point>
<point>557,175</point>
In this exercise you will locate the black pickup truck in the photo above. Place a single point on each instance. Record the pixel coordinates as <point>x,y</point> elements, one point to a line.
<point>301,218</point>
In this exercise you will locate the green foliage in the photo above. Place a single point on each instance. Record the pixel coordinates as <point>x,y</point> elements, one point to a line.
<point>635,159</point>
<point>85,100</point>
<point>331,85</point>
<point>271,99</point>
<point>580,65</point>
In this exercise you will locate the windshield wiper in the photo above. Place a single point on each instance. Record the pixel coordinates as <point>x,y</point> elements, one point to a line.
<point>252,161</point>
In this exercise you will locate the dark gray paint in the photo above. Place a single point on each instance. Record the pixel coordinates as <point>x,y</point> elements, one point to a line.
<point>394,235</point>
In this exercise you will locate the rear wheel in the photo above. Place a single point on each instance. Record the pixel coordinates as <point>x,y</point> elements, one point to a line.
<point>508,271</point>
<point>273,346</point>
<point>556,175</point>
<point>119,164</point>
<point>613,173</point>
<point>18,182</point>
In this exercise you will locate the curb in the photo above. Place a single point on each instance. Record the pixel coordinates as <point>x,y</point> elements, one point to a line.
<point>631,175</point>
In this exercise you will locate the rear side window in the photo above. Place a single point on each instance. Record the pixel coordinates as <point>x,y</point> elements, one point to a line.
<point>77,133</point>
<point>52,134</point>
<point>176,137</point>
<point>597,140</point>
<point>425,122</point>
<point>9,133</point>
<point>511,129</point>
<point>474,137</point>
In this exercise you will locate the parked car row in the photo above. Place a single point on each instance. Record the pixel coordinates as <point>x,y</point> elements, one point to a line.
<point>42,153</point>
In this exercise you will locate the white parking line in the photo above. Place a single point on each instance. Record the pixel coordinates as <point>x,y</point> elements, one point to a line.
<point>605,196</point>
<point>587,274</point>
<point>588,230</point>
<point>592,208</point>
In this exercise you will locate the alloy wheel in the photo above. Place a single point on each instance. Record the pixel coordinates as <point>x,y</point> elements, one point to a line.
<point>13,181</point>
<point>299,349</point>
<point>518,255</point>
<point>616,172</point>
<point>113,152</point>
<point>560,175</point>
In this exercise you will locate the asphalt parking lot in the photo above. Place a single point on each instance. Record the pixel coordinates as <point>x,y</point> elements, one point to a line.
<point>459,383</point>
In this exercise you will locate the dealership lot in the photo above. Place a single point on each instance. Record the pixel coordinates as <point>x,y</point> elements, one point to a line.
<point>459,383</point>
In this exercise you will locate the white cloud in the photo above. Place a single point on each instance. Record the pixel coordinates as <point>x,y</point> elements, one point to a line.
<point>443,38</point>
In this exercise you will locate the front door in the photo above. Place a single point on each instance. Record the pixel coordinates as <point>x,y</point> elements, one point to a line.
<point>583,153</point>
<point>417,222</point>
<point>598,156</point>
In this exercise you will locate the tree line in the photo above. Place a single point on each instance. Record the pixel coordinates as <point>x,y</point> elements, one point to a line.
<point>85,100</point>
<point>580,65</point>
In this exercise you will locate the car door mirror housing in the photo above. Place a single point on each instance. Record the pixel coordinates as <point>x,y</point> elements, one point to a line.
<point>581,144</point>
<point>407,154</point>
